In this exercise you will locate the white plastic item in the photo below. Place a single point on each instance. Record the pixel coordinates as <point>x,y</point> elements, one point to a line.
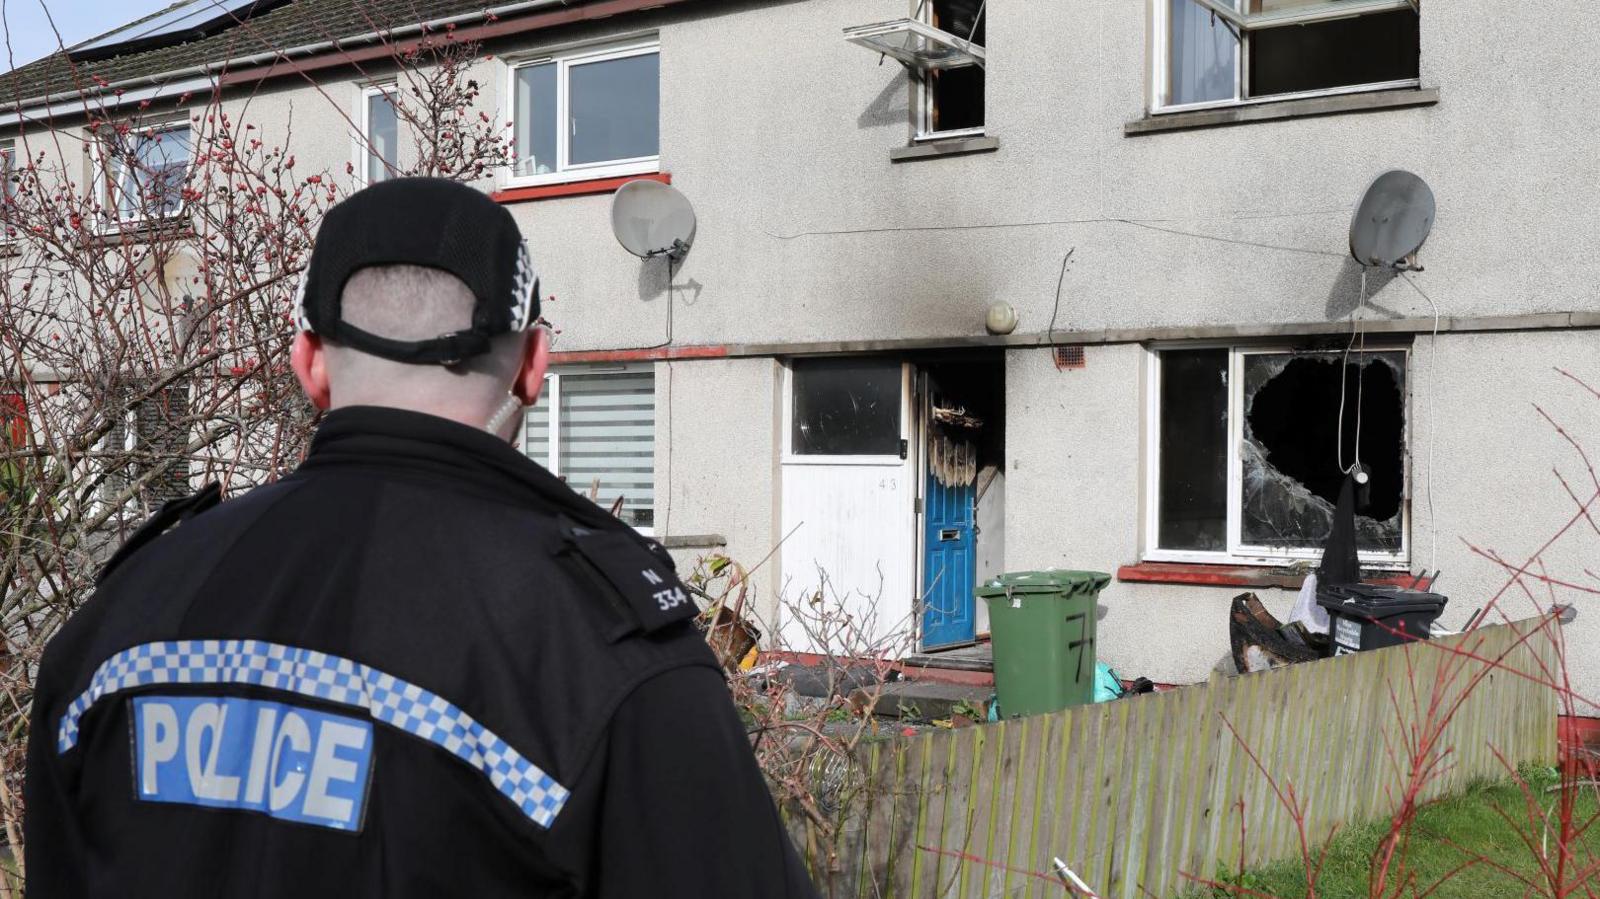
<point>1306,610</point>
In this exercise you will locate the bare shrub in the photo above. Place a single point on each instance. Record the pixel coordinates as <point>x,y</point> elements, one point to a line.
<point>809,747</point>
<point>145,326</point>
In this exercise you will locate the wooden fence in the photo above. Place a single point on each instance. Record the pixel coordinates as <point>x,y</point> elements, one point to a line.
<point>1135,793</point>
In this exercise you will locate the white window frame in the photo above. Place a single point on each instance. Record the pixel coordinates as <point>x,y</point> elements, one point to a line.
<point>566,172</point>
<point>1238,553</point>
<point>1161,36</point>
<point>109,190</point>
<point>924,89</point>
<point>362,144</point>
<point>8,168</point>
<point>550,398</point>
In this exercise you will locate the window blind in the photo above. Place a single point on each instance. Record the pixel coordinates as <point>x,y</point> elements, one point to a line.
<point>604,430</point>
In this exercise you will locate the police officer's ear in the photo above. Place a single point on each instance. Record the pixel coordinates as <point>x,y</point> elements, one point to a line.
<point>535,359</point>
<point>309,360</point>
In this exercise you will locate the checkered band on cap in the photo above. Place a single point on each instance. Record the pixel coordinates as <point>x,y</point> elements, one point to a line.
<point>330,678</point>
<point>524,287</point>
<point>301,320</point>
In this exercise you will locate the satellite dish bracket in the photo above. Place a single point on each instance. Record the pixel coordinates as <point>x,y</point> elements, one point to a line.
<point>1408,264</point>
<point>676,252</point>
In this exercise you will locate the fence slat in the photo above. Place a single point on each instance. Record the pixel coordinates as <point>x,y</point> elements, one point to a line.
<point>1136,793</point>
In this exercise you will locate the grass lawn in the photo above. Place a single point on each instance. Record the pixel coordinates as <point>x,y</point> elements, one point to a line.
<point>1470,822</point>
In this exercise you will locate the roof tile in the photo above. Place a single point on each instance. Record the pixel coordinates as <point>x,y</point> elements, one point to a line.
<point>294,24</point>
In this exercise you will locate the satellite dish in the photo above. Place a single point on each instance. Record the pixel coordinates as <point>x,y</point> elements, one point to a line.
<point>652,219</point>
<point>1392,221</point>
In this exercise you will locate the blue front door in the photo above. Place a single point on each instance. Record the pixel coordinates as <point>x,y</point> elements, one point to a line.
<point>948,604</point>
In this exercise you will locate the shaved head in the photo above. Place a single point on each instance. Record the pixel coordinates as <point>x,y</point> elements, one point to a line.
<point>410,302</point>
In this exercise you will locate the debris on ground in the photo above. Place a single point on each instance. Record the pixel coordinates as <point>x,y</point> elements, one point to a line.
<point>729,631</point>
<point>1260,641</point>
<point>1107,686</point>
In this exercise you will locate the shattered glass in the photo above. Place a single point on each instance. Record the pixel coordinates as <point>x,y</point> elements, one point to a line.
<point>1291,451</point>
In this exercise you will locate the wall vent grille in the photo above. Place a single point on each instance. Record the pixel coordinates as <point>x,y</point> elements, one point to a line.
<point>1068,357</point>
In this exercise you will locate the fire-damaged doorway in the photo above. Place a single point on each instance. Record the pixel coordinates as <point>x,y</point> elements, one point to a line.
<point>893,495</point>
<point>962,493</point>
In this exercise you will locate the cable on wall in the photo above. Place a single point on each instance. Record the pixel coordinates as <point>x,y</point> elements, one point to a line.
<point>1357,331</point>
<point>1433,425</point>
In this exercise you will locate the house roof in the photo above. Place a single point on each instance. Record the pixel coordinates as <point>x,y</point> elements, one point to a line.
<point>294,24</point>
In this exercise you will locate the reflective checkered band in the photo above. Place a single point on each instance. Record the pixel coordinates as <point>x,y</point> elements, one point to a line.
<point>385,697</point>
<point>524,284</point>
<point>302,320</point>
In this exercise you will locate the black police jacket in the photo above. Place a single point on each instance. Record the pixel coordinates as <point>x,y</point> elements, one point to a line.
<point>418,666</point>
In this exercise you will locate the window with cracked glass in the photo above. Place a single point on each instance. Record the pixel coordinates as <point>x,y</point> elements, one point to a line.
<point>1250,445</point>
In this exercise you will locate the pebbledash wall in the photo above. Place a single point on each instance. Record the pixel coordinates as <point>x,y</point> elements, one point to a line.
<point>811,239</point>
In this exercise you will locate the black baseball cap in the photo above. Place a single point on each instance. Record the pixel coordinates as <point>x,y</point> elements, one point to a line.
<point>429,222</point>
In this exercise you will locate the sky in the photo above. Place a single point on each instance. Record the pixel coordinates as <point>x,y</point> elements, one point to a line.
<point>32,37</point>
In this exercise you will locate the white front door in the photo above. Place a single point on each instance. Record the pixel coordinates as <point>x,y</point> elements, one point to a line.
<point>849,495</point>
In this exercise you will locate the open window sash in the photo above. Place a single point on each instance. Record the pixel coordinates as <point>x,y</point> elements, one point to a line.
<point>917,45</point>
<point>1277,13</point>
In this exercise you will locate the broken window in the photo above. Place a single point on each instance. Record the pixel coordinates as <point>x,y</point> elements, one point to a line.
<point>942,48</point>
<point>1250,452</point>
<point>1220,51</point>
<point>846,407</point>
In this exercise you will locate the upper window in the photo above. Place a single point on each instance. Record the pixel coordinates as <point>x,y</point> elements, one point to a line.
<point>952,98</point>
<point>942,49</point>
<point>145,172</point>
<point>1214,52</point>
<point>597,432</point>
<point>589,114</point>
<point>380,133</point>
<point>8,190</point>
<point>1248,453</point>
<point>8,169</point>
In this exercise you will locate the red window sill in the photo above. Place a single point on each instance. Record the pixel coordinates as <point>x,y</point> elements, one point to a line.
<point>1238,576</point>
<point>651,354</point>
<point>573,188</point>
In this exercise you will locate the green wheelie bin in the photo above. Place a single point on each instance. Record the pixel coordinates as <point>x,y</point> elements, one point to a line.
<point>1043,624</point>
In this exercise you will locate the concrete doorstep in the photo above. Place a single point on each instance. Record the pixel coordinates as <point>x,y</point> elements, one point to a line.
<point>924,700</point>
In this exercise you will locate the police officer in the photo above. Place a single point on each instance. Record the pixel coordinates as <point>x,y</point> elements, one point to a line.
<point>419,665</point>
